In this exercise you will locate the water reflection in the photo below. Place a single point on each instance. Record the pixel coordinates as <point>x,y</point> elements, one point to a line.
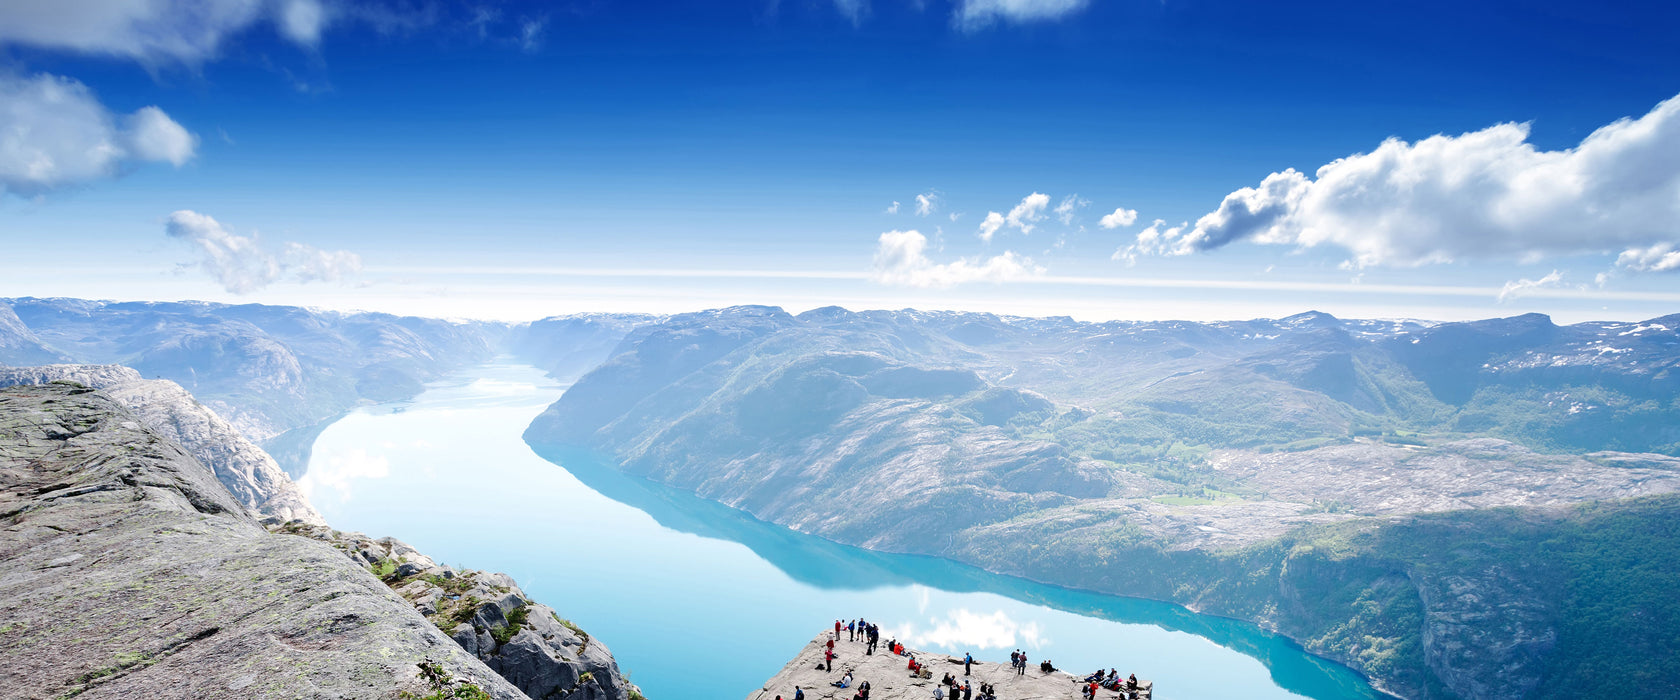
<point>704,602</point>
<point>825,564</point>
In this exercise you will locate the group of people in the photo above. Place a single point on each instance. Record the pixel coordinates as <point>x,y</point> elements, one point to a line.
<point>958,691</point>
<point>1109,681</point>
<point>949,687</point>
<point>859,629</point>
<point>1018,661</point>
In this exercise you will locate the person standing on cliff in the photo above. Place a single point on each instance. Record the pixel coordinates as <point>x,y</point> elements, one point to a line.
<point>836,629</point>
<point>968,660</point>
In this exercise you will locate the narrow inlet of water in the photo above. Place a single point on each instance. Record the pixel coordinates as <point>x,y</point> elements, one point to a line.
<point>701,602</point>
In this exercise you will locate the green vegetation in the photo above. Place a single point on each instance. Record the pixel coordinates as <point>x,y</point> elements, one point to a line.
<point>442,686</point>
<point>575,630</point>
<point>453,585</point>
<point>516,619</point>
<point>1603,575</point>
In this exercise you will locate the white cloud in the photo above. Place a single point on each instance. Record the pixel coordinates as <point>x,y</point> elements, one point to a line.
<point>1030,210</point>
<point>1483,194</point>
<point>1522,287</point>
<point>1022,217</point>
<point>1065,210</point>
<point>152,135</point>
<point>927,204</point>
<point>154,31</point>
<point>989,227</point>
<point>893,208</point>
<point>978,14</point>
<point>302,20</point>
<point>1121,217</point>
<point>241,264</point>
<point>53,132</point>
<point>1659,257</point>
<point>1155,240</point>
<point>901,259</point>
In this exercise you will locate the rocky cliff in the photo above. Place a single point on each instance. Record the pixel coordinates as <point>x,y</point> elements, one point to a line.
<point>526,642</point>
<point>131,571</point>
<point>248,473</point>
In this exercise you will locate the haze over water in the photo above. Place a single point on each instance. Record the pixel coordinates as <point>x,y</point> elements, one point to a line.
<point>699,602</point>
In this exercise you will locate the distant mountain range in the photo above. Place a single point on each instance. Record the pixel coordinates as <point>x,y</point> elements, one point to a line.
<point>1179,460</point>
<point>280,373</point>
<point>1479,510</point>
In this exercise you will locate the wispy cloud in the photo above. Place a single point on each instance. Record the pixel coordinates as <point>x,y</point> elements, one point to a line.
<point>855,11</point>
<point>901,259</point>
<point>1069,207</point>
<point>927,204</point>
<point>242,264</point>
<point>1524,287</point>
<point>972,15</point>
<point>1022,218</point>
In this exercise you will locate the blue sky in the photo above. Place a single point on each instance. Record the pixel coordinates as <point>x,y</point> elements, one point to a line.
<point>517,160</point>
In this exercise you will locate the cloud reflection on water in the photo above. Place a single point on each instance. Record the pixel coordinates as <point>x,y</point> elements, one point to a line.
<point>962,629</point>
<point>331,474</point>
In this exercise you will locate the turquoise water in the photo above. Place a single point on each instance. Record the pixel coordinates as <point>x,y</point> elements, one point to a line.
<point>701,602</point>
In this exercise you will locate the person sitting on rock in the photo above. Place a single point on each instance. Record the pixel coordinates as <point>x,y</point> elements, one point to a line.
<point>1131,683</point>
<point>844,682</point>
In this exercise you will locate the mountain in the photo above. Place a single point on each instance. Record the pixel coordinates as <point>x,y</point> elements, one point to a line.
<point>567,347</point>
<point>249,474</point>
<point>133,572</point>
<point>1175,460</point>
<point>267,369</point>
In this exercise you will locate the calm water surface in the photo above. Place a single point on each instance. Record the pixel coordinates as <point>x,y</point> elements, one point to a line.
<point>700,602</point>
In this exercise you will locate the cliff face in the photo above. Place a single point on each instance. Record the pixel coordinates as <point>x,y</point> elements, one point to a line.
<point>528,643</point>
<point>248,473</point>
<point>132,572</point>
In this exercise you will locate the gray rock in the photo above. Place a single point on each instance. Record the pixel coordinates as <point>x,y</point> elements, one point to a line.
<point>489,617</point>
<point>465,636</point>
<point>163,406</point>
<point>177,592</point>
